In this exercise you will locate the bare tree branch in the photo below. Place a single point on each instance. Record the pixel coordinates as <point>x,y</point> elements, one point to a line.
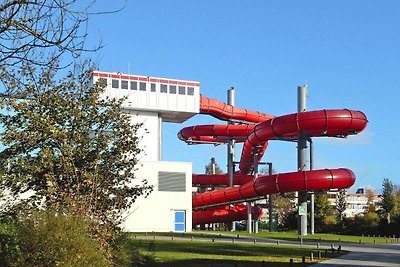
<point>39,32</point>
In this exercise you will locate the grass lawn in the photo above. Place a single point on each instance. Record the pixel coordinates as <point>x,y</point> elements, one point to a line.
<point>220,254</point>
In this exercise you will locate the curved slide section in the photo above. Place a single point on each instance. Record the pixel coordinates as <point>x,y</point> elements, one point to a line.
<point>278,183</point>
<point>226,112</point>
<point>225,214</point>
<point>255,130</point>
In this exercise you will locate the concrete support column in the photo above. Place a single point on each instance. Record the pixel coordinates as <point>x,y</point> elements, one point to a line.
<point>312,211</point>
<point>213,172</point>
<point>249,217</point>
<point>302,159</point>
<point>231,148</point>
<point>270,199</point>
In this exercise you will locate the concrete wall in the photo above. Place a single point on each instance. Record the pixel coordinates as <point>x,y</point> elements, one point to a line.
<point>150,134</point>
<point>156,212</point>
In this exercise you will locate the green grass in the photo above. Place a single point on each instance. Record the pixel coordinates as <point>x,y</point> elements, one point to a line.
<point>221,254</point>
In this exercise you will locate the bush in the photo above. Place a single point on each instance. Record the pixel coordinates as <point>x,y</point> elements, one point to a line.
<point>9,244</point>
<point>50,239</point>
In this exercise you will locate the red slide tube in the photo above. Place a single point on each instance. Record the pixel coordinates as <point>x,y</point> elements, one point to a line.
<point>261,128</point>
<point>225,214</point>
<point>278,183</point>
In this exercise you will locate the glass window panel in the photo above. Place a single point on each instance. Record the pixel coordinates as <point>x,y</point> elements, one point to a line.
<point>163,88</point>
<point>153,87</point>
<point>190,90</point>
<point>179,216</point>
<point>115,83</point>
<point>179,227</point>
<point>124,84</point>
<point>181,90</point>
<point>133,85</point>
<point>142,86</point>
<point>172,89</point>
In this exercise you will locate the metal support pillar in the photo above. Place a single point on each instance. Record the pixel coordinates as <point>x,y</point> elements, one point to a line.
<point>249,213</point>
<point>270,200</point>
<point>312,211</point>
<point>213,172</point>
<point>302,160</point>
<point>249,217</point>
<point>255,228</point>
<point>231,147</point>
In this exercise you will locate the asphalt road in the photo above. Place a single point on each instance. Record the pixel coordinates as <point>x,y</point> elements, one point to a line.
<point>366,255</point>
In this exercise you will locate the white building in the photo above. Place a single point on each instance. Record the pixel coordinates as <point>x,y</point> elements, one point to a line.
<point>151,101</point>
<point>357,203</point>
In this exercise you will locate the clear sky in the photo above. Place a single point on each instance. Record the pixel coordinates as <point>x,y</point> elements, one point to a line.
<point>348,52</point>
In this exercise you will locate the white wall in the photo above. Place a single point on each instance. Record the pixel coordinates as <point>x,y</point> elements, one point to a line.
<point>156,212</point>
<point>150,134</point>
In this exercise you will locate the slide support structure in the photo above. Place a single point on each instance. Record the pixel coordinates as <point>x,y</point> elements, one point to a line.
<point>231,147</point>
<point>302,160</point>
<point>312,195</point>
<point>270,200</point>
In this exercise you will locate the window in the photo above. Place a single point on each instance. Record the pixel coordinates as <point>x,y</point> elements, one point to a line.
<point>153,87</point>
<point>133,85</point>
<point>180,221</point>
<point>124,84</point>
<point>172,181</point>
<point>163,88</point>
<point>172,89</point>
<point>190,90</point>
<point>142,86</point>
<point>115,83</point>
<point>181,90</point>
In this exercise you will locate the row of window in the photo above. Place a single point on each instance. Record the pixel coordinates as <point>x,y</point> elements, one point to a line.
<point>142,86</point>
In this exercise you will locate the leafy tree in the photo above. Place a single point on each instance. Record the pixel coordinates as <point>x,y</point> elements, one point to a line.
<point>388,202</point>
<point>69,149</point>
<point>370,201</point>
<point>284,205</point>
<point>323,209</point>
<point>341,203</point>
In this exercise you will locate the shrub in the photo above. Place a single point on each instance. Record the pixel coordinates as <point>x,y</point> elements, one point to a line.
<point>51,239</point>
<point>9,245</point>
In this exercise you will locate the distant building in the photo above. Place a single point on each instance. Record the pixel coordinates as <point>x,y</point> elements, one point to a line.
<point>357,202</point>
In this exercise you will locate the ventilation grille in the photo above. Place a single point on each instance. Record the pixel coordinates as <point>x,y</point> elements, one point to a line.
<point>172,181</point>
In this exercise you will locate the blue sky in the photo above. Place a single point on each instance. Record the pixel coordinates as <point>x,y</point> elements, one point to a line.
<point>348,52</point>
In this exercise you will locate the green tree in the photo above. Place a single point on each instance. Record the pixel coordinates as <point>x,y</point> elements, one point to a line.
<point>341,203</point>
<point>388,202</point>
<point>284,205</point>
<point>370,201</point>
<point>69,149</point>
<point>323,210</point>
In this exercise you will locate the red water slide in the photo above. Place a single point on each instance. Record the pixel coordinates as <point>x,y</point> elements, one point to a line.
<point>255,129</point>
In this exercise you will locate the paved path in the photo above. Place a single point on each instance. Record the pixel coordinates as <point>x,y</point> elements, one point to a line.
<point>359,255</point>
<point>366,255</point>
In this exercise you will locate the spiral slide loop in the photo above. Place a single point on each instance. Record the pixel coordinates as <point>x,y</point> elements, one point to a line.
<point>255,130</point>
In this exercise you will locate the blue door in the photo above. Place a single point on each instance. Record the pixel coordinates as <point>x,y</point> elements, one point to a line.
<point>180,221</point>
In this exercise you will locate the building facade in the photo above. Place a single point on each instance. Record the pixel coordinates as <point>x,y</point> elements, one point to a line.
<point>152,101</point>
<point>358,202</point>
